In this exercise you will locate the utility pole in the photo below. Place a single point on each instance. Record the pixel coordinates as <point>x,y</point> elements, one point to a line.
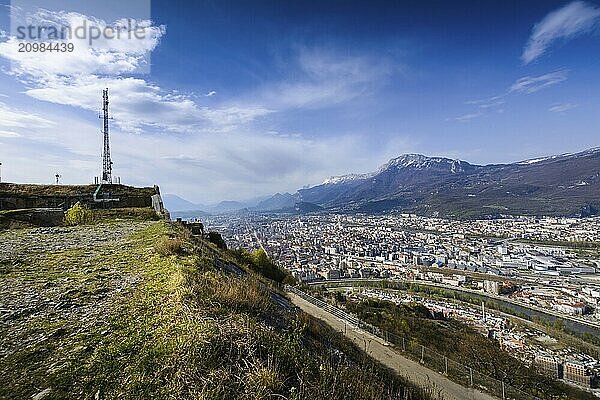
<point>0,172</point>
<point>106,161</point>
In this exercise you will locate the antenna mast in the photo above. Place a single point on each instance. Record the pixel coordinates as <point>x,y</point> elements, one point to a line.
<point>106,162</point>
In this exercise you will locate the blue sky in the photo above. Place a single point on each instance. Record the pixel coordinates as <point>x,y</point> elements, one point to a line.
<point>246,98</point>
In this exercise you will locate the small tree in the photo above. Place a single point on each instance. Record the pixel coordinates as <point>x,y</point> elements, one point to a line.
<point>261,259</point>
<point>216,238</point>
<point>265,266</point>
<point>79,215</point>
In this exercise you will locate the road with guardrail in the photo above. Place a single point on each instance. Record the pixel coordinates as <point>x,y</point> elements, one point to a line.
<point>416,362</point>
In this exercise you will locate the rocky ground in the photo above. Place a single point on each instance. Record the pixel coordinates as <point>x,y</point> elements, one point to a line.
<point>57,284</point>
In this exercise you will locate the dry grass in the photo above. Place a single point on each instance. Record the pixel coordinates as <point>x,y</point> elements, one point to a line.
<point>169,246</point>
<point>263,381</point>
<point>16,189</point>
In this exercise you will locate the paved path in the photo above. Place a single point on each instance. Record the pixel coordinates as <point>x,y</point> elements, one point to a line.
<point>410,369</point>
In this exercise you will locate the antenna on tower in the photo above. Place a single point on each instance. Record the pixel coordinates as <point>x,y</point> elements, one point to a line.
<point>106,161</point>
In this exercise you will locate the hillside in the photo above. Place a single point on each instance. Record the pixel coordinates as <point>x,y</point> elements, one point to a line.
<point>141,309</point>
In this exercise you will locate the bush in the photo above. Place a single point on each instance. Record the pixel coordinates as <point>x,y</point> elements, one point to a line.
<point>168,246</point>
<point>260,262</point>
<point>79,215</point>
<point>263,382</point>
<point>217,239</point>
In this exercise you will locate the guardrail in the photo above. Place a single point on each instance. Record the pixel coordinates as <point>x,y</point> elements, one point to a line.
<point>457,372</point>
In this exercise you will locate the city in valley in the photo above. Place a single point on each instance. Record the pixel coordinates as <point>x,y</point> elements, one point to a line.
<point>545,268</point>
<point>292,200</point>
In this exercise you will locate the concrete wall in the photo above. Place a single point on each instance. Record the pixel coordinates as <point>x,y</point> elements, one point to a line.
<point>34,216</point>
<point>17,196</point>
<point>158,205</point>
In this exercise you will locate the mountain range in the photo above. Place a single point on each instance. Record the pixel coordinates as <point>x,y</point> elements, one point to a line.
<point>182,208</point>
<point>567,184</point>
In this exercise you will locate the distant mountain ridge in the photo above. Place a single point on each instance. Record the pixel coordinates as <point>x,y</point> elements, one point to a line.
<point>415,161</point>
<point>175,203</point>
<point>558,185</point>
<point>179,206</point>
<point>567,184</point>
<point>277,202</point>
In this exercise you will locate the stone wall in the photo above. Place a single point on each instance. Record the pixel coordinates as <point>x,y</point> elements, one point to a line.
<point>33,216</point>
<point>24,196</point>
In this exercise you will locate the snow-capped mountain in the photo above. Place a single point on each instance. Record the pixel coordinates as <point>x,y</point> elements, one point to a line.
<point>544,185</point>
<point>347,178</point>
<point>418,161</point>
<point>566,184</point>
<point>414,161</point>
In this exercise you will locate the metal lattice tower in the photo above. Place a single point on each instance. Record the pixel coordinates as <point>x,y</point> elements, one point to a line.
<point>106,162</point>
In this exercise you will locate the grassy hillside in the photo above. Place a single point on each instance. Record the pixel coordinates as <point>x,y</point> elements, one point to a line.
<point>134,309</point>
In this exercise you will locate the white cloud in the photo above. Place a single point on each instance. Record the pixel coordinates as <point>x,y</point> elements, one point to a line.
<point>202,167</point>
<point>467,117</point>
<point>9,134</point>
<point>491,102</point>
<point>122,54</point>
<point>525,85</point>
<point>532,84</point>
<point>11,118</point>
<point>560,108</point>
<point>137,105</point>
<point>243,165</point>
<point>570,21</point>
<point>327,79</point>
<point>76,79</point>
<point>240,162</point>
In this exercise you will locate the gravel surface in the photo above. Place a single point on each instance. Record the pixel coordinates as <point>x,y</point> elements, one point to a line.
<point>57,283</point>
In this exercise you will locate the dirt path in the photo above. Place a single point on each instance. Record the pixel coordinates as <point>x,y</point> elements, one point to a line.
<point>412,370</point>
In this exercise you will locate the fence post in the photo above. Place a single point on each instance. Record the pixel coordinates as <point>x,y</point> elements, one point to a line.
<point>422,354</point>
<point>446,362</point>
<point>403,345</point>
<point>503,397</point>
<point>471,375</point>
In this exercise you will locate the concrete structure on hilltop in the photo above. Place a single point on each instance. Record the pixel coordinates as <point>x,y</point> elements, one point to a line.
<point>23,196</point>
